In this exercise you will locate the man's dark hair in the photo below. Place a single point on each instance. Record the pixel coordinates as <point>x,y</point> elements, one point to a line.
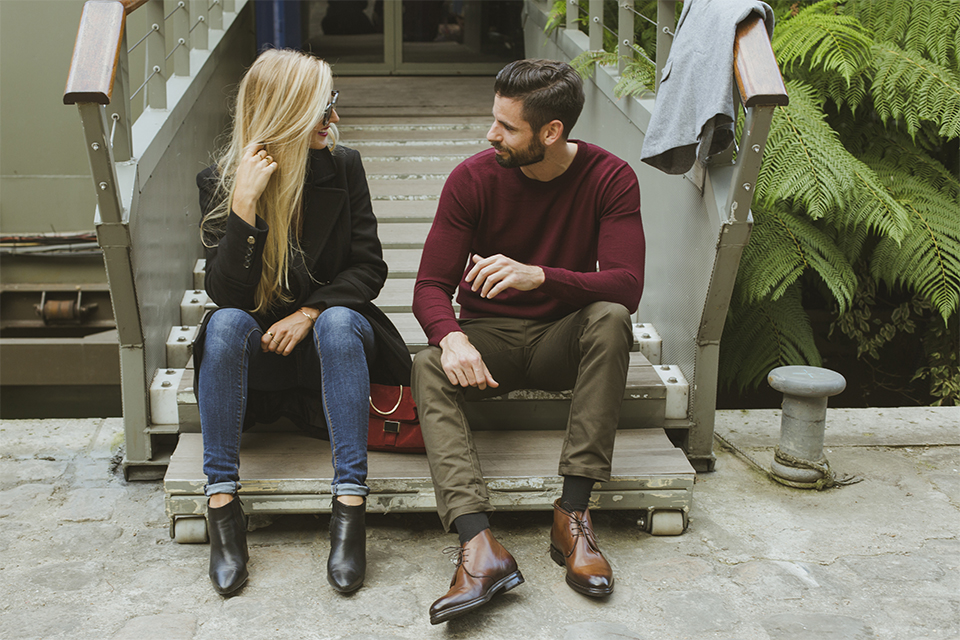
<point>547,89</point>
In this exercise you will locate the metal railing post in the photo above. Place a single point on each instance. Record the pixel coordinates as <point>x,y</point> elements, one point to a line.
<point>181,36</point>
<point>156,65</point>
<point>665,26</point>
<point>118,111</point>
<point>215,14</point>
<point>596,25</point>
<point>199,29</point>
<point>573,12</point>
<point>624,34</point>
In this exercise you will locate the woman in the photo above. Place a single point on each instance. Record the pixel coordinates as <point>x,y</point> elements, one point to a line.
<point>293,262</point>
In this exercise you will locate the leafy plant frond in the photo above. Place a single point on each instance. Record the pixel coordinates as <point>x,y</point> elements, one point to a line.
<point>639,77</point>
<point>583,63</point>
<point>893,152</point>
<point>908,86</point>
<point>928,259</point>
<point>782,246</point>
<point>805,164</point>
<point>762,336</point>
<point>850,93</point>
<point>821,39</point>
<point>928,26</point>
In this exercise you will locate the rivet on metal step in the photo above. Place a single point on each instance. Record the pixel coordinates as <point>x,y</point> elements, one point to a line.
<point>805,392</point>
<point>645,336</point>
<point>181,339</point>
<point>170,372</point>
<point>166,383</point>
<point>665,367</point>
<point>672,380</point>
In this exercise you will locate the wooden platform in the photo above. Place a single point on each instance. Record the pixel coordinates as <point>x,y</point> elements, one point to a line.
<point>290,472</point>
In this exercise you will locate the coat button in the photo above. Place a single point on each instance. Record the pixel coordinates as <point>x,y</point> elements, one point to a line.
<point>251,240</point>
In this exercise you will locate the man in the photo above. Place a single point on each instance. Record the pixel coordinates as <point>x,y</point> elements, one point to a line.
<point>532,219</point>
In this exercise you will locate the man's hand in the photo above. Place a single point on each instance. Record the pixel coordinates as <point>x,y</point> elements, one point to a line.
<point>285,334</point>
<point>463,364</point>
<point>497,273</point>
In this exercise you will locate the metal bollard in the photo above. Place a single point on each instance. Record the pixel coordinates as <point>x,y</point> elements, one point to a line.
<point>799,459</point>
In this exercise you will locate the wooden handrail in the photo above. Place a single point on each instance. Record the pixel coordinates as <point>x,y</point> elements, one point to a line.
<point>96,53</point>
<point>755,67</point>
<point>129,6</point>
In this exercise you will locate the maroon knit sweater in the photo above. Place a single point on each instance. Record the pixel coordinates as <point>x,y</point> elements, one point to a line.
<point>589,215</point>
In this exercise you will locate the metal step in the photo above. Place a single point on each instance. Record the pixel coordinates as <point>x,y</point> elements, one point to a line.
<point>286,472</point>
<point>422,188</point>
<point>351,135</point>
<point>403,235</point>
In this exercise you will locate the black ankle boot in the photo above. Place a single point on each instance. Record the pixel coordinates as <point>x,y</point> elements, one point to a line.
<point>347,563</point>
<point>228,546</point>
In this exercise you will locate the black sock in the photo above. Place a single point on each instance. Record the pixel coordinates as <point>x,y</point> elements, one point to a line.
<point>470,524</point>
<point>576,493</point>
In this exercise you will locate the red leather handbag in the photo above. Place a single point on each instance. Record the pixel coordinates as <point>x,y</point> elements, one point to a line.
<point>394,424</point>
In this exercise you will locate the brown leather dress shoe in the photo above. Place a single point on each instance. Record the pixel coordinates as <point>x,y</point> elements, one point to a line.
<point>484,568</point>
<point>573,545</point>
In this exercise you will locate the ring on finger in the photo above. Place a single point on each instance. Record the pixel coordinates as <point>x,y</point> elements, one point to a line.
<point>270,333</point>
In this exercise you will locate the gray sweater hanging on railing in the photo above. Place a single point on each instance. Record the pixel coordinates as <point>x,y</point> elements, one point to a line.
<point>694,111</point>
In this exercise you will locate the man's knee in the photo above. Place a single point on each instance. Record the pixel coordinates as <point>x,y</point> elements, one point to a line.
<point>609,323</point>
<point>426,370</point>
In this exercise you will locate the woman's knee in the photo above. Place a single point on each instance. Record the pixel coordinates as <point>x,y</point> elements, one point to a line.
<point>227,329</point>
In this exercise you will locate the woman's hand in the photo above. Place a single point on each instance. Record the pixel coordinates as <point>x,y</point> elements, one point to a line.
<point>253,174</point>
<point>286,334</point>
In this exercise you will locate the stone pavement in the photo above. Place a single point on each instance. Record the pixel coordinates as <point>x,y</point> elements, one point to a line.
<point>84,554</point>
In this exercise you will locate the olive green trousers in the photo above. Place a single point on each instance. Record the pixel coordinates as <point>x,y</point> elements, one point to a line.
<point>586,351</point>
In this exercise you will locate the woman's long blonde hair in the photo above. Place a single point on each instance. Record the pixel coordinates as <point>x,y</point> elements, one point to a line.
<point>280,102</point>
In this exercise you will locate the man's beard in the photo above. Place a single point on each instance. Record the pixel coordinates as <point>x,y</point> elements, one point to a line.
<point>531,154</point>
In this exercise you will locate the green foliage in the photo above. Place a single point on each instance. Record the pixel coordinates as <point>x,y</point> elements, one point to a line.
<point>806,164</point>
<point>765,335</point>
<point>817,38</point>
<point>782,247</point>
<point>912,88</point>
<point>860,169</point>
<point>639,73</point>
<point>928,259</point>
<point>856,168</point>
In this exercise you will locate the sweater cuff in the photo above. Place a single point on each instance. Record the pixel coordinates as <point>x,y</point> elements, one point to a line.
<point>441,330</point>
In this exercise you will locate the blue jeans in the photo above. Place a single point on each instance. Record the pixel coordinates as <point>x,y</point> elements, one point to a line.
<point>334,363</point>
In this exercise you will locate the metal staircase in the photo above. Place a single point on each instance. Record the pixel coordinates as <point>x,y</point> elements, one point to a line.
<point>519,435</point>
<point>149,128</point>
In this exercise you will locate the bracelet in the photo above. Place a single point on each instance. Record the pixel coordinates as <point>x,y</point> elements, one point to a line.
<point>312,319</point>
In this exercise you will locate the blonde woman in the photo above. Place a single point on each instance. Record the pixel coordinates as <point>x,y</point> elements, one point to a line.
<point>293,262</point>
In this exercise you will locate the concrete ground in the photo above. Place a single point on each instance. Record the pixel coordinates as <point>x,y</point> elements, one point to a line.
<point>84,554</point>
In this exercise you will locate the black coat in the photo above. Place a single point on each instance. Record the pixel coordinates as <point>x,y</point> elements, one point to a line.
<point>341,265</point>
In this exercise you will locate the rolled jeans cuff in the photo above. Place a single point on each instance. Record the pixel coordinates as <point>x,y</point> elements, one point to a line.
<point>348,489</point>
<point>230,487</point>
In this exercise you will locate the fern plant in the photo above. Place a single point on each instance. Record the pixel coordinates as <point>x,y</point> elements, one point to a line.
<point>861,156</point>
<point>859,188</point>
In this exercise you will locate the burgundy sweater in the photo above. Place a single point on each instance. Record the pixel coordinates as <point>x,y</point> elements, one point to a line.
<point>588,216</point>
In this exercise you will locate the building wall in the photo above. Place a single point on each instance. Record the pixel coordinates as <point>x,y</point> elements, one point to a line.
<point>45,180</point>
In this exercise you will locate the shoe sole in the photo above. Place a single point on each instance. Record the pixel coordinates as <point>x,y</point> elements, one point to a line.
<point>504,585</point>
<point>594,592</point>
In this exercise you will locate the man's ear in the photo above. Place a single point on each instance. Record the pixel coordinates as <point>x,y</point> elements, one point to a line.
<point>551,133</point>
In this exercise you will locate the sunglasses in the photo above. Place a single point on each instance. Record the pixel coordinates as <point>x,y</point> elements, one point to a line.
<point>328,112</point>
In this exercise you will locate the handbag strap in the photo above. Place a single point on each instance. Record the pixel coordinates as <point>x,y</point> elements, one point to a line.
<point>395,407</point>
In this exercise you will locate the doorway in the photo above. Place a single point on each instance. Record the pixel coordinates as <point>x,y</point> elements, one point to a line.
<point>413,37</point>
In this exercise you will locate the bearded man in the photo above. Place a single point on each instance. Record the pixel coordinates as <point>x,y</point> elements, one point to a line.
<point>550,232</point>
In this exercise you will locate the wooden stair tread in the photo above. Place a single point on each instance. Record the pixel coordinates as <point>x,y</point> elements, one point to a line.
<point>271,459</point>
